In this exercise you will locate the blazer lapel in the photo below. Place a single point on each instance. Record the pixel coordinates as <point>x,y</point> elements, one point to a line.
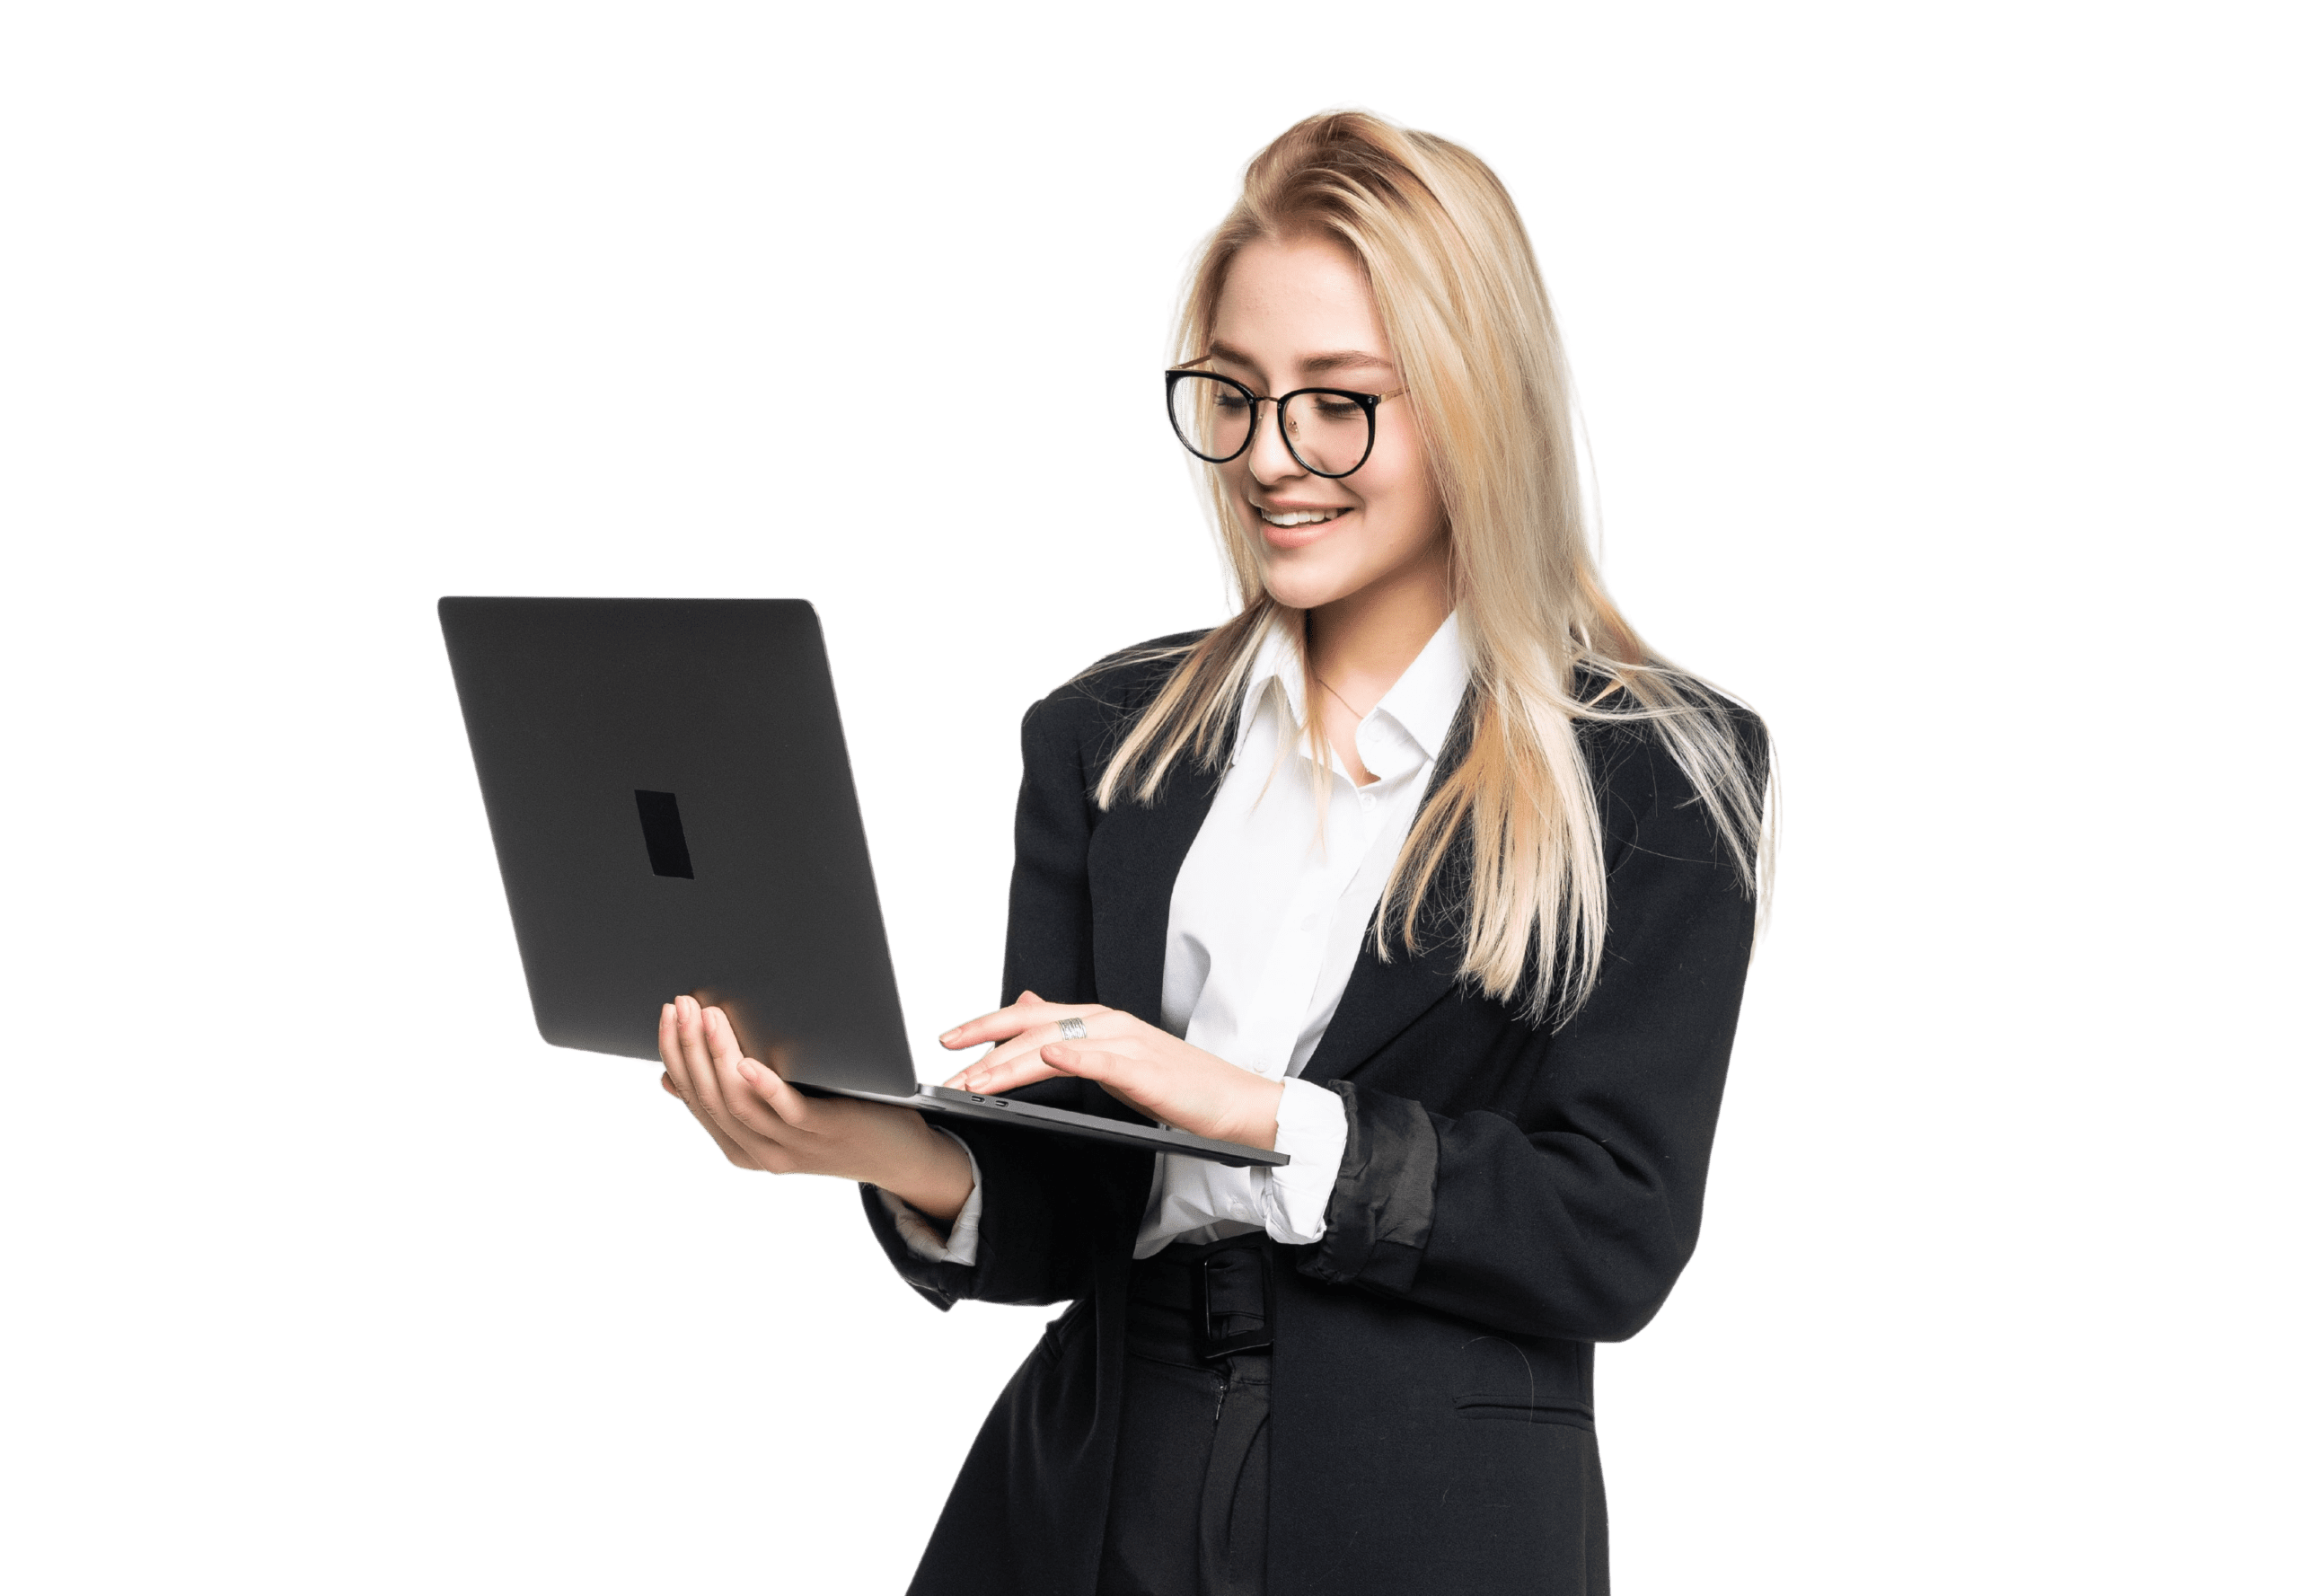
<point>1382,999</point>
<point>1131,863</point>
<point>1378,1003</point>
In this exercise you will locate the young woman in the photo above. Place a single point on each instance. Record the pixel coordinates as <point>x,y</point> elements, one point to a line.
<point>1421,869</point>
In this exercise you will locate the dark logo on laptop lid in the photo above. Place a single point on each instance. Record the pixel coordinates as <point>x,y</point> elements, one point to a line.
<point>658,817</point>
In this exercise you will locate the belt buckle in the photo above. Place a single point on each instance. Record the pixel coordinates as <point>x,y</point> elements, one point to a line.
<point>1211,1346</point>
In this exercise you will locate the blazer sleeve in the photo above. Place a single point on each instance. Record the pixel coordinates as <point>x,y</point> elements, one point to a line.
<point>1044,1196</point>
<point>1573,1216</point>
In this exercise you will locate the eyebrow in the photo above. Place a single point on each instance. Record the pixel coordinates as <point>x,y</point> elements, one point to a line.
<point>1315,366</point>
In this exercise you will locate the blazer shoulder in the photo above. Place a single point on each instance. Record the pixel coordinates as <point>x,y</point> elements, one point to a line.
<point>1607,743</point>
<point>1097,700</point>
<point>1642,789</point>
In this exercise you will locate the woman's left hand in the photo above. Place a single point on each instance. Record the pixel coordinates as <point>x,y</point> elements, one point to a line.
<point>1152,1071</point>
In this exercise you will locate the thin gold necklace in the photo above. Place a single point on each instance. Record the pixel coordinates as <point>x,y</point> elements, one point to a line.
<point>1329,687</point>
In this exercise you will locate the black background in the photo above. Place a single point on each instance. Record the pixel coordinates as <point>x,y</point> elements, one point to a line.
<point>725,355</point>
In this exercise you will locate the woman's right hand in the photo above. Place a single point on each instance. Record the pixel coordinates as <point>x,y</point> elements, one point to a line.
<point>760,1121</point>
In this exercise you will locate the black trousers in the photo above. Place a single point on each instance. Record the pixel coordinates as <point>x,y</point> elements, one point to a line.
<point>1189,1504</point>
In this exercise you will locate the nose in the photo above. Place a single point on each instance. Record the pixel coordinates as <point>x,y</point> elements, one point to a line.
<point>1269,459</point>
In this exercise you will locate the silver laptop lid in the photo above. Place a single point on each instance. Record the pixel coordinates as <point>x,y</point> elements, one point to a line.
<point>668,790</point>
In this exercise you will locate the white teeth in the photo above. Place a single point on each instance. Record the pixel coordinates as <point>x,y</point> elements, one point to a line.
<point>1297,517</point>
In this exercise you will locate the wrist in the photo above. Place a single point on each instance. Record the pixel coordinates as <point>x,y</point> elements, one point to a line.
<point>933,1174</point>
<point>1260,1129</point>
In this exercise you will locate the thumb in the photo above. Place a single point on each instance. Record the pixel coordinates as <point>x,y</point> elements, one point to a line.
<point>777,1094</point>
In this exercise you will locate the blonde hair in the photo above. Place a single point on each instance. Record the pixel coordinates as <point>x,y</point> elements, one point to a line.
<point>1457,287</point>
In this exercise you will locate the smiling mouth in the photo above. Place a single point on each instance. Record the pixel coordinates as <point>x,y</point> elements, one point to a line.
<point>1298,517</point>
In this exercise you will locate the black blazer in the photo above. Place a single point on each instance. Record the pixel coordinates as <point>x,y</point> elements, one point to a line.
<point>1511,1192</point>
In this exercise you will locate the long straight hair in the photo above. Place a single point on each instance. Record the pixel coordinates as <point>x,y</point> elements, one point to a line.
<point>1456,286</point>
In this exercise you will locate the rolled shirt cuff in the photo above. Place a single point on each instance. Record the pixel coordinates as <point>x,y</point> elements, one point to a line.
<point>920,1233</point>
<point>1313,1132</point>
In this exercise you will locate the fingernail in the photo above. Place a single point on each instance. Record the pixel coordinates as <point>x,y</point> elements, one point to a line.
<point>945,1037</point>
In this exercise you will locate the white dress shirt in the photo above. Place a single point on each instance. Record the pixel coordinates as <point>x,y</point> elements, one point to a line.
<point>1268,913</point>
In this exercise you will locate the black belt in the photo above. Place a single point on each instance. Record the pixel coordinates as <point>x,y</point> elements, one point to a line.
<point>1223,1286</point>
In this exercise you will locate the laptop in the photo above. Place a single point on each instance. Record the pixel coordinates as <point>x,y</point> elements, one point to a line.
<point>667,786</point>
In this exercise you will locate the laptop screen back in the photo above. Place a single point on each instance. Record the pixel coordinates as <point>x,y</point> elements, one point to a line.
<point>667,785</point>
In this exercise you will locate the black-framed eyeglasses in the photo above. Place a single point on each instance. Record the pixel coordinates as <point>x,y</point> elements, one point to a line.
<point>1328,431</point>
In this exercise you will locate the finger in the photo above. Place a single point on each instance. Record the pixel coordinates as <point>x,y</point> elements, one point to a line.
<point>673,1050</point>
<point>1022,1045</point>
<point>994,1065</point>
<point>701,1079</point>
<point>719,1070</point>
<point>1027,1011</point>
<point>735,1109</point>
<point>1010,1076</point>
<point>779,1143</point>
<point>677,1080</point>
<point>1037,1064</point>
<point>666,1041</point>
<point>1105,1026</point>
<point>994,1026</point>
<point>755,1099</point>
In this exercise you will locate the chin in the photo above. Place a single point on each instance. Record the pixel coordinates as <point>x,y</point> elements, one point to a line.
<point>1297,593</point>
<point>1305,585</point>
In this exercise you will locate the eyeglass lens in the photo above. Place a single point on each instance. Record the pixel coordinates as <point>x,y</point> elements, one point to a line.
<point>1329,432</point>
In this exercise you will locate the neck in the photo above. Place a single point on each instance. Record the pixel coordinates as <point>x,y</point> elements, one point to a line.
<point>1361,644</point>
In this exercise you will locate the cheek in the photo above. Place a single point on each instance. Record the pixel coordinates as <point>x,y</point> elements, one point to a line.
<point>1403,496</point>
<point>1406,509</point>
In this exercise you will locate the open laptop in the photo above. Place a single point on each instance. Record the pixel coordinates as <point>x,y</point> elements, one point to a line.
<point>667,786</point>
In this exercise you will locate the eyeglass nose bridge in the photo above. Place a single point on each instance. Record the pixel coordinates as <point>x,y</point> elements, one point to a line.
<point>1253,402</point>
<point>1281,400</point>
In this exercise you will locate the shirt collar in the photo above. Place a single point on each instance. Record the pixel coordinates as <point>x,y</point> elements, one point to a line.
<point>1422,702</point>
<point>1426,698</point>
<point>1279,660</point>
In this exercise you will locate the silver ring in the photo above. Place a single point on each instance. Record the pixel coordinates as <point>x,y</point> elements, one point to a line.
<point>1073,1028</point>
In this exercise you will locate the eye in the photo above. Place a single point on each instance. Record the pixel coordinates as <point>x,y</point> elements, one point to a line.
<point>1335,406</point>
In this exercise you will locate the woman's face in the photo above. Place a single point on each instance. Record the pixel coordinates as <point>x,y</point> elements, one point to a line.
<point>1298,312</point>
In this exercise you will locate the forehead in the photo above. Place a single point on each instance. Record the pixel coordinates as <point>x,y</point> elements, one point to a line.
<point>1285,299</point>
